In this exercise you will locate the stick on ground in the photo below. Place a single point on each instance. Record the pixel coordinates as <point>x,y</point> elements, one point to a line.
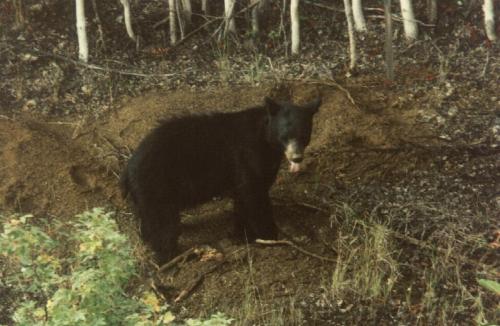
<point>293,245</point>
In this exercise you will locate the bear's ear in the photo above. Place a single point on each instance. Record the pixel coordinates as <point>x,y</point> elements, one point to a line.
<point>272,106</point>
<point>314,105</point>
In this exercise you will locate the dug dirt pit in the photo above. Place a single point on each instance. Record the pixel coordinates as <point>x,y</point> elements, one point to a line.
<point>372,157</point>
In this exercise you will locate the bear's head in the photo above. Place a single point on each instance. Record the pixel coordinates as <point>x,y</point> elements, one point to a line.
<point>290,128</point>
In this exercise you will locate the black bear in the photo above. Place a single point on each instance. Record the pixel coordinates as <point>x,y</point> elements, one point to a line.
<point>188,160</point>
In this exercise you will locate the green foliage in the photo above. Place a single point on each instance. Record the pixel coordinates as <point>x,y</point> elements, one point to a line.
<point>218,319</point>
<point>77,276</point>
<point>493,286</point>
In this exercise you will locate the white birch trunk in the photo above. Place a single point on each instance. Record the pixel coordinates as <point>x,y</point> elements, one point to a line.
<point>204,7</point>
<point>20,17</point>
<point>172,21</point>
<point>432,11</point>
<point>350,30</point>
<point>228,14</point>
<point>489,20</point>
<point>180,17</point>
<point>409,23</point>
<point>359,18</point>
<point>255,18</point>
<point>295,25</point>
<point>127,18</point>
<point>389,56</point>
<point>83,46</point>
<point>187,11</point>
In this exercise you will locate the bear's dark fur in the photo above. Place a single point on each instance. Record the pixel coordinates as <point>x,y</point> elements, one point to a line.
<point>188,160</point>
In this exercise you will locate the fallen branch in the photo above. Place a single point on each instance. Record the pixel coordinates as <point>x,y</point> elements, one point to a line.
<point>395,17</point>
<point>182,257</point>
<point>400,19</point>
<point>5,117</point>
<point>293,245</point>
<point>184,293</point>
<point>161,22</point>
<point>330,82</point>
<point>197,281</point>
<point>416,242</point>
<point>485,68</point>
<point>424,245</point>
<point>92,66</point>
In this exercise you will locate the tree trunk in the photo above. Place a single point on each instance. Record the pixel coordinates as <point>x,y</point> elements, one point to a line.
<point>359,18</point>
<point>350,30</point>
<point>255,18</point>
<point>127,18</point>
<point>409,23</point>
<point>295,25</point>
<point>389,58</point>
<point>172,21</point>
<point>187,13</point>
<point>432,11</point>
<point>20,18</point>
<point>230,26</point>
<point>83,46</point>
<point>204,7</point>
<point>180,18</point>
<point>489,19</point>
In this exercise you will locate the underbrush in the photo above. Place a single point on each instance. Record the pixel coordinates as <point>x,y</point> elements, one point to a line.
<point>80,272</point>
<point>391,273</point>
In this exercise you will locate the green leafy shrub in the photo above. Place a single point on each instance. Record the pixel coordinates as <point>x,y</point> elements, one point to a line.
<point>77,273</point>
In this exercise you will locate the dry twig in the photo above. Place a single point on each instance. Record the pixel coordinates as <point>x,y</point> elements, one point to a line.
<point>197,281</point>
<point>182,257</point>
<point>91,66</point>
<point>293,245</point>
<point>416,242</point>
<point>334,83</point>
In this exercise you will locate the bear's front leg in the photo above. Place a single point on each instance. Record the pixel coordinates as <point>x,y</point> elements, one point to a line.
<point>254,216</point>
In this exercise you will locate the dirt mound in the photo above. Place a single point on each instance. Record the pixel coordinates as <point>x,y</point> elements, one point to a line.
<point>62,167</point>
<point>45,172</point>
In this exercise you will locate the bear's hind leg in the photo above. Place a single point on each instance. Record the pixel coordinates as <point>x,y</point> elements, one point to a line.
<point>160,225</point>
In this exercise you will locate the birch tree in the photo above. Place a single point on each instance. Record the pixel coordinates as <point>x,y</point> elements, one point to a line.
<point>127,18</point>
<point>489,19</point>
<point>20,16</point>
<point>230,26</point>
<point>389,57</point>
<point>432,11</point>
<point>172,21</point>
<point>180,17</point>
<point>83,46</point>
<point>409,22</point>
<point>259,7</point>
<point>295,26</point>
<point>359,18</point>
<point>204,7</point>
<point>187,12</point>
<point>350,31</point>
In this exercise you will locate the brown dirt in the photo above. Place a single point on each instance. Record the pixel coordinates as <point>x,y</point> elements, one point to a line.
<point>374,156</point>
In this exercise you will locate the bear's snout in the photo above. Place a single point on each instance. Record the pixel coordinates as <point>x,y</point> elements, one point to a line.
<point>295,155</point>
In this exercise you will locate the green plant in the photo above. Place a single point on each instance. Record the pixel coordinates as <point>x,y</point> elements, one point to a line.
<point>77,274</point>
<point>218,319</point>
<point>493,286</point>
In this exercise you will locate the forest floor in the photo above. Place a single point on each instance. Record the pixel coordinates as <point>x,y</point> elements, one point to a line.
<point>399,203</point>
